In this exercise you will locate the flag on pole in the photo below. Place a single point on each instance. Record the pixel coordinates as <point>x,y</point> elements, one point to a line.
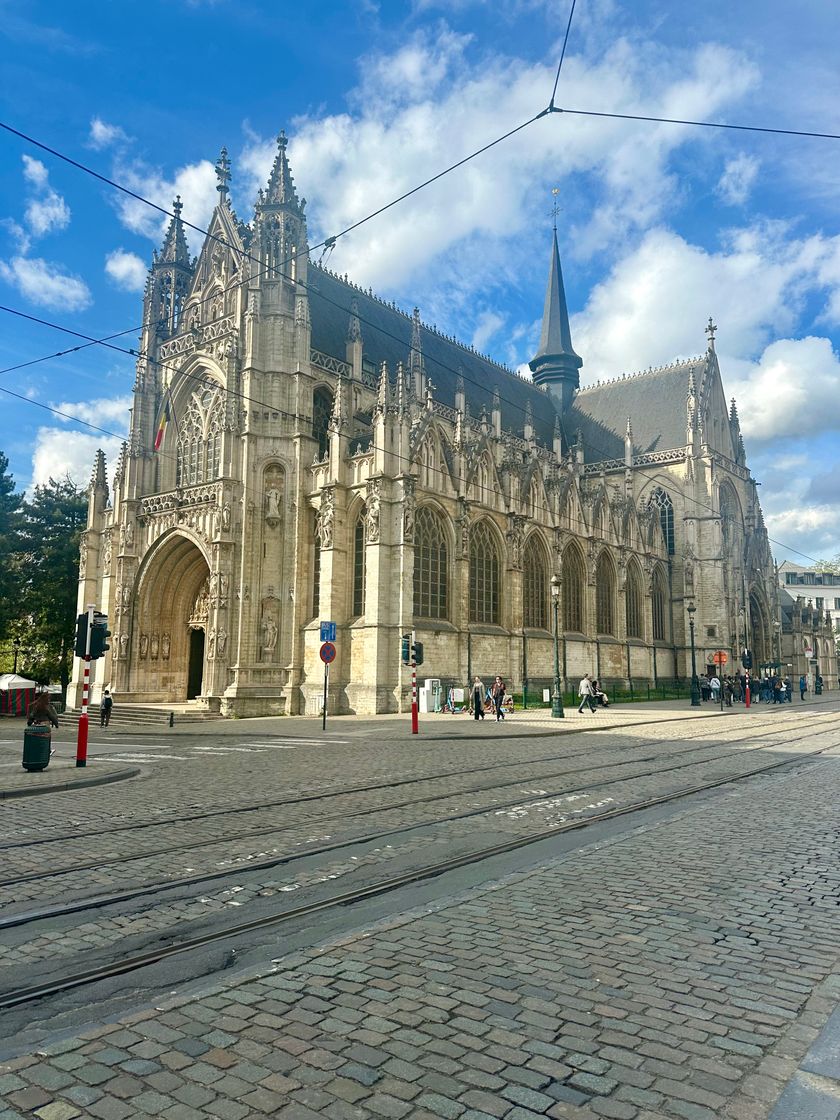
<point>164,420</point>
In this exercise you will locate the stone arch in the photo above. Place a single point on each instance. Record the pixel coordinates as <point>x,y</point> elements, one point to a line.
<point>634,600</point>
<point>761,645</point>
<point>172,605</point>
<point>574,589</point>
<point>322,405</point>
<point>660,604</point>
<point>486,563</point>
<point>536,566</point>
<point>433,552</point>
<point>605,593</point>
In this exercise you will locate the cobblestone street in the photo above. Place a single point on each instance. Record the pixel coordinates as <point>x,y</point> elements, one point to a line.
<point>679,967</point>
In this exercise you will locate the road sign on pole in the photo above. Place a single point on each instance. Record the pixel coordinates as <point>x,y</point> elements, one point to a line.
<point>327,631</point>
<point>327,652</point>
<point>720,658</point>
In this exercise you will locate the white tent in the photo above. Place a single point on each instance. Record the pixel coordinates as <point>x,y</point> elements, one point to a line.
<point>14,680</point>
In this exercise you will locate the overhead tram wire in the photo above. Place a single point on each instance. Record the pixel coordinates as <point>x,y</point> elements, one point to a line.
<point>696,124</point>
<point>562,55</point>
<point>287,415</point>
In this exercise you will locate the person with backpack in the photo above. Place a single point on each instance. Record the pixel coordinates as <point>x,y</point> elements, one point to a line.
<point>105,709</point>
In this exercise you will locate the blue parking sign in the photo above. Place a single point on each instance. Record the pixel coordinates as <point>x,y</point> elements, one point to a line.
<point>327,631</point>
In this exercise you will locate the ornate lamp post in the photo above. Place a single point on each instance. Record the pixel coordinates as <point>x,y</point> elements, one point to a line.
<point>16,648</point>
<point>556,697</point>
<point>777,626</point>
<point>695,684</point>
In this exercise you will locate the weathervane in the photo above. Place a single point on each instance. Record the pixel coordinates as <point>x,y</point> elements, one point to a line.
<point>555,209</point>
<point>710,331</point>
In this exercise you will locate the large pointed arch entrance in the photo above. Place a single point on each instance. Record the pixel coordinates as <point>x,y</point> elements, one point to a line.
<point>760,632</point>
<point>172,605</point>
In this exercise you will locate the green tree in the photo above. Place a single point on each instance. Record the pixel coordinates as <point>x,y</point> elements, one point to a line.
<point>10,523</point>
<point>52,525</point>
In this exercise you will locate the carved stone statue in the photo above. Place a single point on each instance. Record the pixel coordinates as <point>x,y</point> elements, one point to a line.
<point>270,633</point>
<point>221,642</point>
<point>326,519</point>
<point>154,646</point>
<point>226,516</point>
<point>372,510</point>
<point>123,645</point>
<point>211,644</point>
<point>144,646</point>
<point>273,511</point>
<point>165,643</point>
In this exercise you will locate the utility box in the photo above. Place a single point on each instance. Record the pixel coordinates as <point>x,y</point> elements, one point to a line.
<point>433,686</point>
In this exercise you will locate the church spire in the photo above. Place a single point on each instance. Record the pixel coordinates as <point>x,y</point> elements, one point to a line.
<point>175,250</point>
<point>281,186</point>
<point>223,175</point>
<point>556,365</point>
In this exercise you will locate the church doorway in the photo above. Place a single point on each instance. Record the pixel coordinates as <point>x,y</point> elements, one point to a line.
<point>195,672</point>
<point>761,646</point>
<point>170,621</point>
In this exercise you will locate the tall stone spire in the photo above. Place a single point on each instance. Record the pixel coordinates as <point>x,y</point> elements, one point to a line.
<point>175,249</point>
<point>281,185</point>
<point>223,175</point>
<point>556,365</point>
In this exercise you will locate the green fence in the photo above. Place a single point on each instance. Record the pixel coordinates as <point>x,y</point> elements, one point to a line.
<point>618,694</point>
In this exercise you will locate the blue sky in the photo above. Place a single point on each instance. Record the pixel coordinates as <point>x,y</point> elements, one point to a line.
<point>660,226</point>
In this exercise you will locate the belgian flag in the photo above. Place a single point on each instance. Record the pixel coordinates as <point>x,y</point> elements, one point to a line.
<point>164,420</point>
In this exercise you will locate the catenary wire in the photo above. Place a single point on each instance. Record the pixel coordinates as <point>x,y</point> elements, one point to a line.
<point>562,55</point>
<point>696,124</point>
<point>287,415</point>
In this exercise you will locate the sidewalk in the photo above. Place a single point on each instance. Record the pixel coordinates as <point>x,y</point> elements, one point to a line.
<point>61,774</point>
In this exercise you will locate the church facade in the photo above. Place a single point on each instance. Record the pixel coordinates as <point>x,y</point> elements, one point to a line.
<point>301,450</point>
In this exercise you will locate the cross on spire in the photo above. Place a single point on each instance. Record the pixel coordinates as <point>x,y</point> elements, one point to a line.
<point>223,173</point>
<point>710,331</point>
<point>555,209</point>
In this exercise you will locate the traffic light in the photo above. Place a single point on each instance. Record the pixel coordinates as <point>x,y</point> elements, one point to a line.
<point>746,660</point>
<point>418,653</point>
<point>81,634</point>
<point>98,635</point>
<point>405,651</point>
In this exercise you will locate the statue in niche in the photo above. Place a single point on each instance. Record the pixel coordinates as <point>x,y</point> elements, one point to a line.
<point>144,646</point>
<point>373,510</point>
<point>226,516</point>
<point>221,642</point>
<point>326,519</point>
<point>165,643</point>
<point>154,646</point>
<point>273,512</point>
<point>106,560</point>
<point>270,633</point>
<point>126,594</point>
<point>211,644</point>
<point>83,556</point>
<point>129,534</point>
<point>123,645</point>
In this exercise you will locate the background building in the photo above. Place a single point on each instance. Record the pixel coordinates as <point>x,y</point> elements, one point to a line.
<point>322,455</point>
<point>810,612</point>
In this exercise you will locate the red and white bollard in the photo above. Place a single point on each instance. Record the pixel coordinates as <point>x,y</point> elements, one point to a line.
<point>82,738</point>
<point>415,727</point>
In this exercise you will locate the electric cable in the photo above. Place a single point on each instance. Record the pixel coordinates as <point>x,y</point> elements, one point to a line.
<point>696,124</point>
<point>562,54</point>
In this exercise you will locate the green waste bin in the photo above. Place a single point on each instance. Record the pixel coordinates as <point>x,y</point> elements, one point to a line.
<point>36,747</point>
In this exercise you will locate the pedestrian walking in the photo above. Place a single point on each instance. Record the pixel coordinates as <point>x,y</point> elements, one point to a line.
<point>105,709</point>
<point>586,695</point>
<point>478,698</point>
<point>803,687</point>
<point>498,694</point>
<point>714,685</point>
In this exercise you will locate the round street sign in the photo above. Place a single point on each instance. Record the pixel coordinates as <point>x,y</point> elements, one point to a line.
<point>327,652</point>
<point>720,658</point>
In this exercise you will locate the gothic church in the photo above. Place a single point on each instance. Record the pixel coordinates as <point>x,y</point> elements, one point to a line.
<point>328,456</point>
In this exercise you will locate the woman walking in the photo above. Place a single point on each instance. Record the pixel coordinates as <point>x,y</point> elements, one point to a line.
<point>478,698</point>
<point>498,697</point>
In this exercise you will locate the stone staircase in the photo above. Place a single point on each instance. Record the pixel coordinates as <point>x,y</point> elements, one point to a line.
<point>154,715</point>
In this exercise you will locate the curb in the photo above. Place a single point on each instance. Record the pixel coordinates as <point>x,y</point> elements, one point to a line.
<point>79,783</point>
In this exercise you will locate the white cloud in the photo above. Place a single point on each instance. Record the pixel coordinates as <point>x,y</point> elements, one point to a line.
<point>47,213</point>
<point>104,135</point>
<point>59,452</point>
<point>195,183</point>
<point>737,179</point>
<point>44,283</point>
<point>127,270</point>
<point>105,413</point>
<point>487,324</point>
<point>34,171</point>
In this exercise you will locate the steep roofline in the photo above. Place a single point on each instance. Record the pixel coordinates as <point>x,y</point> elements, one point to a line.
<point>649,372</point>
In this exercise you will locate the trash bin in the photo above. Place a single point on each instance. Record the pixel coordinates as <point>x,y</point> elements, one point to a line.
<point>36,747</point>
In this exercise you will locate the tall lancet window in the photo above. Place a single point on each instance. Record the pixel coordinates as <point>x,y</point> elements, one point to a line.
<point>430,565</point>
<point>605,595</point>
<point>322,403</point>
<point>662,501</point>
<point>485,590</point>
<point>574,580</point>
<point>535,585</point>
<point>635,602</point>
<point>659,607</point>
<point>316,567</point>
<point>200,437</point>
<point>359,566</point>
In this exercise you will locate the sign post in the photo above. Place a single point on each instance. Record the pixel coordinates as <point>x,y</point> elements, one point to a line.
<point>414,723</point>
<point>327,655</point>
<point>82,733</point>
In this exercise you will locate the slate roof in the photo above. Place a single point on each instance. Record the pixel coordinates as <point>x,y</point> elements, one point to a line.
<point>655,401</point>
<point>386,334</point>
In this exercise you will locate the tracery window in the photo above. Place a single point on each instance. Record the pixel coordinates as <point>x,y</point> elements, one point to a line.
<point>634,602</point>
<point>659,607</point>
<point>316,567</point>
<point>535,586</point>
<point>485,590</point>
<point>359,567</point>
<point>430,565</point>
<point>200,437</point>
<point>662,501</point>
<point>573,584</point>
<point>605,595</point>
<point>322,403</point>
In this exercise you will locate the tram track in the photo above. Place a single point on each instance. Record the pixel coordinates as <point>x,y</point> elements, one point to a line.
<point>379,808</point>
<point>162,951</point>
<point>320,795</point>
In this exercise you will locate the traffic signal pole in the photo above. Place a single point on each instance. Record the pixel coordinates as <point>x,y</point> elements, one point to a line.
<point>82,738</point>
<point>414,721</point>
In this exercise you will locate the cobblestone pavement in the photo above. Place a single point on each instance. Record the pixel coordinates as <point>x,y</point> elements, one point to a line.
<point>680,970</point>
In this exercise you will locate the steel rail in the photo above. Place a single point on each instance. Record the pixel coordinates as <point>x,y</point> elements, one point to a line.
<point>20,996</point>
<point>97,902</point>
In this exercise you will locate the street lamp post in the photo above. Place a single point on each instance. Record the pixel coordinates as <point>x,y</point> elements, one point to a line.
<point>695,684</point>
<point>777,626</point>
<point>16,648</point>
<point>556,697</point>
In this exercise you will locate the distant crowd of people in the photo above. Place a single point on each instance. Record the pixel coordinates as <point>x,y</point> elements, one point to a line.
<point>769,689</point>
